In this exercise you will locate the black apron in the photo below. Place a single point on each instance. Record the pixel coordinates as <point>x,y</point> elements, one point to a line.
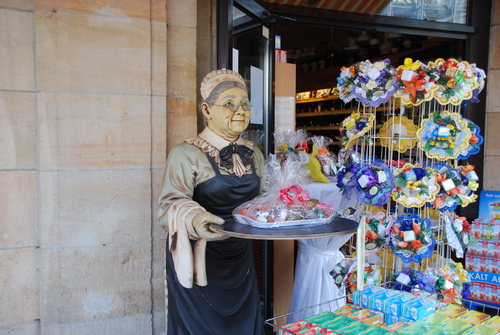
<point>230,303</point>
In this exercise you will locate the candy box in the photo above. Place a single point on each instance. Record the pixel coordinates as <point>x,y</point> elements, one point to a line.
<point>316,331</point>
<point>321,318</point>
<point>494,323</point>
<point>474,317</point>
<point>299,325</point>
<point>454,326</point>
<point>354,329</point>
<point>395,326</point>
<point>374,330</point>
<point>434,319</point>
<point>339,323</point>
<point>347,309</point>
<point>392,306</point>
<point>414,329</point>
<point>376,300</point>
<point>480,329</point>
<point>452,310</point>
<point>360,298</point>
<point>418,308</point>
<point>368,316</point>
<point>391,319</point>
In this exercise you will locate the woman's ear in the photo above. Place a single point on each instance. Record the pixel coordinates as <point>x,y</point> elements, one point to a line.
<point>205,109</point>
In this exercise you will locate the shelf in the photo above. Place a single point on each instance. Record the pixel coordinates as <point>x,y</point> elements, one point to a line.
<point>325,113</point>
<point>330,97</point>
<point>338,112</point>
<point>320,128</point>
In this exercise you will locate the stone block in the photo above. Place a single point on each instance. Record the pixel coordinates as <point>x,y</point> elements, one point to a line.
<point>492,144</point>
<point>90,208</point>
<point>134,9</point>
<point>29,328</point>
<point>158,277</point>
<point>20,285</point>
<point>157,178</point>
<point>159,10</point>
<point>491,178</point>
<point>17,130</point>
<point>17,4</point>
<point>493,100</point>
<point>93,53</point>
<point>181,120</point>
<point>159,58</point>
<point>182,14</point>
<point>81,131</point>
<point>159,132</point>
<point>18,64</point>
<point>495,47</point>
<point>125,325</point>
<point>18,209</point>
<point>181,67</point>
<point>96,283</point>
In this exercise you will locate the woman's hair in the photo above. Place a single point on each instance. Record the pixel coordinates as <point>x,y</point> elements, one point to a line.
<point>214,95</point>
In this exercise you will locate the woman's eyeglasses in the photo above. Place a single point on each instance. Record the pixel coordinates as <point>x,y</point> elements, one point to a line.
<point>234,105</point>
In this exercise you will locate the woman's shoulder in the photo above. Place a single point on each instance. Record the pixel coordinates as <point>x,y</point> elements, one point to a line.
<point>186,149</point>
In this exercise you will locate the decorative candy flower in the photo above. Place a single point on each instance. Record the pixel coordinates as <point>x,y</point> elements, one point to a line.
<point>377,232</point>
<point>374,183</point>
<point>480,77</point>
<point>443,135</point>
<point>341,269</point>
<point>371,84</point>
<point>411,238</point>
<point>414,185</point>
<point>452,190</point>
<point>398,133</point>
<point>458,233</point>
<point>355,126</point>
<point>346,179</point>
<point>456,81</point>
<point>475,141</point>
<point>415,82</point>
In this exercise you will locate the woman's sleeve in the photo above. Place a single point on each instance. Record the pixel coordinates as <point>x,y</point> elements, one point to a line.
<point>178,187</point>
<point>176,212</point>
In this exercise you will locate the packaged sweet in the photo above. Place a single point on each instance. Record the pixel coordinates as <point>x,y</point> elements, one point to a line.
<point>368,316</point>
<point>327,159</point>
<point>322,318</point>
<point>347,309</point>
<point>494,323</point>
<point>395,326</point>
<point>454,326</point>
<point>375,331</point>
<point>299,325</point>
<point>434,319</point>
<point>285,203</point>
<point>316,331</point>
<point>452,310</point>
<point>480,329</point>
<point>474,317</point>
<point>354,329</point>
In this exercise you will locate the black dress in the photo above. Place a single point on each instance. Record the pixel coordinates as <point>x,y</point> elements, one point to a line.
<point>230,303</point>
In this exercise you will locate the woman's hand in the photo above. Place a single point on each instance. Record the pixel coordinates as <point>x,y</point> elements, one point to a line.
<point>201,226</point>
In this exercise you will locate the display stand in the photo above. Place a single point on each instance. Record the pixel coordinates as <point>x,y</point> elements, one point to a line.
<point>412,164</point>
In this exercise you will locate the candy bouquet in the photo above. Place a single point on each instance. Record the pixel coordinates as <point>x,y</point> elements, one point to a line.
<point>285,203</point>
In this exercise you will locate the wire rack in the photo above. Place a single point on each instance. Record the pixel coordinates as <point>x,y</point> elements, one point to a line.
<point>277,323</point>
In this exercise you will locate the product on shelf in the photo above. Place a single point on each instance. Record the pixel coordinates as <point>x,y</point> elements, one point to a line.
<point>453,311</point>
<point>454,326</point>
<point>474,317</point>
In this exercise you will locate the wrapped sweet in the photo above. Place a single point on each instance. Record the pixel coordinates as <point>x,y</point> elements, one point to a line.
<point>285,203</point>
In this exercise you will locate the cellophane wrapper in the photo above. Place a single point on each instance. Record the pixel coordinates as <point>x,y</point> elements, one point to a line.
<point>327,159</point>
<point>285,203</point>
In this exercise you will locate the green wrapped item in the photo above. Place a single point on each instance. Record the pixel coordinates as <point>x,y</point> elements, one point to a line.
<point>321,318</point>
<point>434,320</point>
<point>354,329</point>
<point>414,329</point>
<point>339,323</point>
<point>455,326</point>
<point>374,330</point>
<point>480,329</point>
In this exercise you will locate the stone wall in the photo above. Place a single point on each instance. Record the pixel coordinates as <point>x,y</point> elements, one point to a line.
<point>83,98</point>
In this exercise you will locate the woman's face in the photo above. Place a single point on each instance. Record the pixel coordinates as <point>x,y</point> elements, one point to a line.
<point>222,120</point>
